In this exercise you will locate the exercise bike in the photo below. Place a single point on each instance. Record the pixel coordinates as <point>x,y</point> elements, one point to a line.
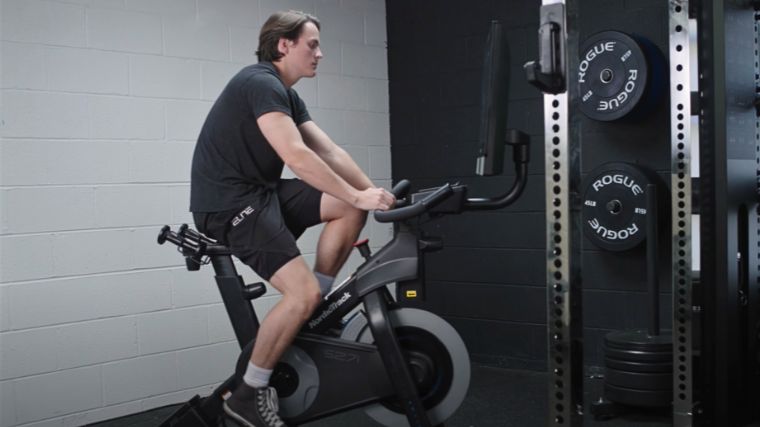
<point>407,366</point>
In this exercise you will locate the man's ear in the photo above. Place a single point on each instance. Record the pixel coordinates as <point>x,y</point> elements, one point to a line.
<point>283,45</point>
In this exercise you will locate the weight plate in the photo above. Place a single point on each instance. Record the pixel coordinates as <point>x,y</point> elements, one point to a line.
<point>612,75</point>
<point>629,366</point>
<point>651,381</point>
<point>638,356</point>
<point>615,206</point>
<point>639,340</point>
<point>632,397</point>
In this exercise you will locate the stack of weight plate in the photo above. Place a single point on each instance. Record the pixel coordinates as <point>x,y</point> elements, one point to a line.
<point>639,368</point>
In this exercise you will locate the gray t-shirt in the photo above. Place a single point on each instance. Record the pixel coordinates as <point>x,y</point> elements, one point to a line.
<point>232,160</point>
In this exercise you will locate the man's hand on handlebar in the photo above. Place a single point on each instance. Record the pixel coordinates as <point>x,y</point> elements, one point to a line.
<point>375,198</point>
<point>417,208</point>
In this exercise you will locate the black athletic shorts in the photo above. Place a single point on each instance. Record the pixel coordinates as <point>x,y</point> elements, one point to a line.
<point>263,233</point>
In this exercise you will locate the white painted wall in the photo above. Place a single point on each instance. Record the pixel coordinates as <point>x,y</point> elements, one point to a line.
<point>100,106</point>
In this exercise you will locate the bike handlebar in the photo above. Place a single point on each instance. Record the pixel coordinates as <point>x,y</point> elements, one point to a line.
<point>416,208</point>
<point>401,189</point>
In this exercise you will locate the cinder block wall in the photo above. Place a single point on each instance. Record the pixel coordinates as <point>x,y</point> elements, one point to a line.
<point>101,103</point>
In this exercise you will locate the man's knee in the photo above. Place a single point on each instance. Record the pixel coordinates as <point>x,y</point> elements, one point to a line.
<point>302,293</point>
<point>306,298</point>
<point>297,282</point>
<point>333,209</point>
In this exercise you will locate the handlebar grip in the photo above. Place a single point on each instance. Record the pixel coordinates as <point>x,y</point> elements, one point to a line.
<point>401,188</point>
<point>417,208</point>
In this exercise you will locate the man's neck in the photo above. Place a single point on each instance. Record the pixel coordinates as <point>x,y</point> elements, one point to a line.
<point>284,75</point>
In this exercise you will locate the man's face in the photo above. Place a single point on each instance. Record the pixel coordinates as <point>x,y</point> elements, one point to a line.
<point>304,53</point>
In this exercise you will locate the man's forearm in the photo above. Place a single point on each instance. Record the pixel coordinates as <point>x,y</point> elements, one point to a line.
<point>308,166</point>
<point>336,157</point>
<point>345,166</point>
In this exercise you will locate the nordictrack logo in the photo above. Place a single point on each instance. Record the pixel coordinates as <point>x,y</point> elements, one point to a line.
<point>242,216</point>
<point>334,306</point>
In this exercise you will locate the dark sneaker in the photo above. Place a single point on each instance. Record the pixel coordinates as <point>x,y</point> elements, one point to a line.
<point>254,407</point>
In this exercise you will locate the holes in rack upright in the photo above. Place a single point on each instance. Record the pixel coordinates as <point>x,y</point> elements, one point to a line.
<point>557,192</point>
<point>681,201</point>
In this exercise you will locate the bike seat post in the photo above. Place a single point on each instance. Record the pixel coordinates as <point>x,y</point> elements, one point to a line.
<point>223,265</point>
<point>244,321</point>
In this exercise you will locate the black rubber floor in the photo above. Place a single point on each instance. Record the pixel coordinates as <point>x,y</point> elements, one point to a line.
<point>497,398</point>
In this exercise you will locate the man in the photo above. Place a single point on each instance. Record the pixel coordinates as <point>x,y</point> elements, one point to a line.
<point>257,125</point>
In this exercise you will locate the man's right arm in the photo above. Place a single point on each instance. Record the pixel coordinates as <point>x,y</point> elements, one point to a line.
<point>278,128</point>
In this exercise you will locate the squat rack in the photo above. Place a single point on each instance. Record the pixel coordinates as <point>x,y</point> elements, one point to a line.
<point>717,323</point>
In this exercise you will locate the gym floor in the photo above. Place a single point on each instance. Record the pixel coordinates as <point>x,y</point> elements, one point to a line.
<point>497,398</point>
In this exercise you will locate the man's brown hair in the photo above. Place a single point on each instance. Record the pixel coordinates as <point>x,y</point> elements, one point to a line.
<point>281,24</point>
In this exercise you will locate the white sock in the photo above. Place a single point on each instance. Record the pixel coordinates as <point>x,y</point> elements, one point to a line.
<point>257,377</point>
<point>325,282</point>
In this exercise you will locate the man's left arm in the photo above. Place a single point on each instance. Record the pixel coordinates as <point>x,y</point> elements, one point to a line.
<point>335,156</point>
